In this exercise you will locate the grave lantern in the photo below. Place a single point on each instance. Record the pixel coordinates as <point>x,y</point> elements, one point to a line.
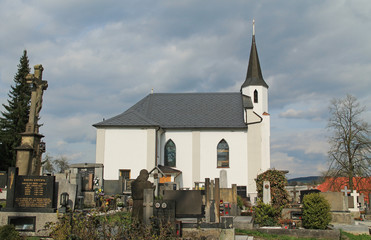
<point>64,199</point>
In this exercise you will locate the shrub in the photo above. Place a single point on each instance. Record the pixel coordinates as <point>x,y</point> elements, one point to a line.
<point>316,211</point>
<point>266,214</point>
<point>278,181</point>
<point>8,232</point>
<point>83,226</point>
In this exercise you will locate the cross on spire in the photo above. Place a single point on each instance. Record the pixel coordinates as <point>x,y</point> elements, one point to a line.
<point>253,27</point>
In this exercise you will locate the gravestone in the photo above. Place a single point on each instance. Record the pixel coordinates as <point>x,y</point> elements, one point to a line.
<point>223,179</point>
<point>148,205</point>
<point>188,204</point>
<point>30,204</point>
<point>30,193</point>
<point>362,201</point>
<point>294,191</point>
<point>305,192</point>
<point>3,179</point>
<point>350,202</point>
<point>338,207</point>
<point>346,191</point>
<point>266,192</point>
<point>354,206</point>
<point>71,189</point>
<point>336,201</point>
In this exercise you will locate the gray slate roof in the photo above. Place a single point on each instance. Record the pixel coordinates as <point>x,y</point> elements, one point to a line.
<point>184,111</point>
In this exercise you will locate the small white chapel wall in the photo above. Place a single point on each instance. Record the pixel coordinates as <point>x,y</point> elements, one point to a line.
<point>124,149</point>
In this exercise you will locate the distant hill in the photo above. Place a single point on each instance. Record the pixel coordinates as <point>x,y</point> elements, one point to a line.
<point>304,180</point>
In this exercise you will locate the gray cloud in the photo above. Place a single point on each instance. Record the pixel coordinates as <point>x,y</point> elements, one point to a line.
<point>102,57</point>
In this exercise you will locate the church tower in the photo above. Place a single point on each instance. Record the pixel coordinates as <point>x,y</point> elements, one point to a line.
<point>254,85</point>
<point>258,119</point>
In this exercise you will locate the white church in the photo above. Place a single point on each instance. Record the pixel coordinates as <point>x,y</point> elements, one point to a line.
<point>192,136</point>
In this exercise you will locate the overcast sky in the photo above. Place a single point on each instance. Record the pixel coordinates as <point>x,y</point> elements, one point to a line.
<point>101,57</point>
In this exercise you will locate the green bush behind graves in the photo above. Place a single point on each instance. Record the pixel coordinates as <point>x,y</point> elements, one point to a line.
<point>266,214</point>
<point>92,225</point>
<point>316,211</point>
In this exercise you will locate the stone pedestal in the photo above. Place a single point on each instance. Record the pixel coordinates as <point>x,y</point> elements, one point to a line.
<point>29,154</point>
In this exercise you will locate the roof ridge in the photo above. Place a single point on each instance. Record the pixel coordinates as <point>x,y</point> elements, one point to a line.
<point>196,93</point>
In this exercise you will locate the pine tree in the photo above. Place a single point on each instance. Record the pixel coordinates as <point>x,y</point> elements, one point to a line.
<point>15,117</point>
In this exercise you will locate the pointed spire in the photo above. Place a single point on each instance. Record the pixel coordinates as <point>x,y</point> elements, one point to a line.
<point>254,74</point>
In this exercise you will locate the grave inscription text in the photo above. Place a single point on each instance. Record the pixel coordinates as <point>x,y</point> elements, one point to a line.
<point>33,192</point>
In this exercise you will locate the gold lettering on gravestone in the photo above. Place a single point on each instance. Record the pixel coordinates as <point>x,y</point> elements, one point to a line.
<point>34,187</point>
<point>33,202</point>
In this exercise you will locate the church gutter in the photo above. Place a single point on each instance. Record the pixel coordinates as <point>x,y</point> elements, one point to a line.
<point>261,119</point>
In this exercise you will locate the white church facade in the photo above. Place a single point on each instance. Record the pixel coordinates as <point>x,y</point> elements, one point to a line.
<point>192,136</point>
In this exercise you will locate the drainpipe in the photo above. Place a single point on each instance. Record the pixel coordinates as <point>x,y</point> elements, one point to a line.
<point>261,119</point>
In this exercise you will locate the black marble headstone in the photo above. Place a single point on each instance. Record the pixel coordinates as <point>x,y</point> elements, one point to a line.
<point>30,193</point>
<point>187,203</point>
<point>305,192</point>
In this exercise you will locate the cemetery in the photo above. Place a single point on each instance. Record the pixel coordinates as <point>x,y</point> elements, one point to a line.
<point>80,203</point>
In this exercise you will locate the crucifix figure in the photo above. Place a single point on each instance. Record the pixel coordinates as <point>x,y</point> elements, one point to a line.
<point>38,87</point>
<point>29,153</point>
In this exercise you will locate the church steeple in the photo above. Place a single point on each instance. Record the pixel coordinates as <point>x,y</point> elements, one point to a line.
<point>254,74</point>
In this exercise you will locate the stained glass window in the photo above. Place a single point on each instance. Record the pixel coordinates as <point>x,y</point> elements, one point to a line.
<point>223,154</point>
<point>170,154</point>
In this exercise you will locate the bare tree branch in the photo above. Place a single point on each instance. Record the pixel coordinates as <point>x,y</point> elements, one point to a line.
<point>350,144</point>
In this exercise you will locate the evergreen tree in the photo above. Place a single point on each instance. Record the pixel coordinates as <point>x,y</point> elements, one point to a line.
<point>15,116</point>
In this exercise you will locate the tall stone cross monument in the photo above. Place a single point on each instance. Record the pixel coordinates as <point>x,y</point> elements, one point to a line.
<point>29,153</point>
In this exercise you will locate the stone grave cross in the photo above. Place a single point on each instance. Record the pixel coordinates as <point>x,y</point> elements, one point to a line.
<point>346,191</point>
<point>294,191</point>
<point>355,195</point>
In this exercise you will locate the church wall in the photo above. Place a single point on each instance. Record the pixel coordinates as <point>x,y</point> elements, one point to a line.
<point>200,162</point>
<point>266,162</point>
<point>125,149</point>
<point>254,154</point>
<point>237,173</point>
<point>99,154</point>
<point>183,143</point>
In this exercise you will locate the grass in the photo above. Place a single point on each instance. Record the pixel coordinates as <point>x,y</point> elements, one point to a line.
<point>354,237</point>
<point>268,236</point>
<point>257,234</point>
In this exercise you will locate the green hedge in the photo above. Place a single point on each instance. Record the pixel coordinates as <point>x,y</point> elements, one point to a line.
<point>266,214</point>
<point>316,211</point>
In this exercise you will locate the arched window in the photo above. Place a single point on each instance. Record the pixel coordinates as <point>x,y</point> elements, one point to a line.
<point>170,154</point>
<point>256,96</point>
<point>223,154</point>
